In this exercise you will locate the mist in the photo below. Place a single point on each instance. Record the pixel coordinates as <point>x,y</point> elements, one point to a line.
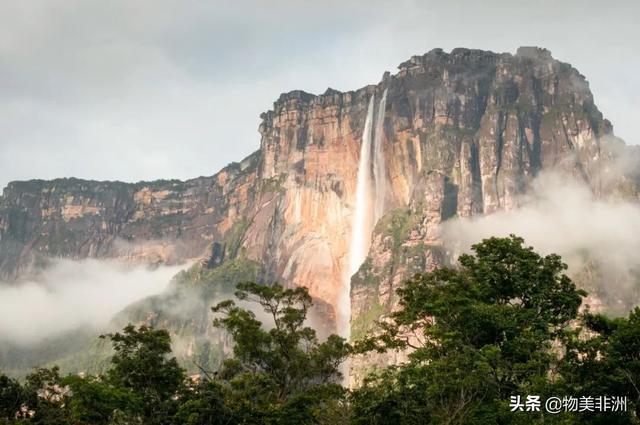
<point>70,295</point>
<point>597,238</point>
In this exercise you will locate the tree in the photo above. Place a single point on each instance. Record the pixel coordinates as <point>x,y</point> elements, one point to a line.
<point>283,374</point>
<point>504,323</point>
<point>143,386</point>
<point>603,358</point>
<point>11,398</point>
<point>44,398</point>
<point>478,334</point>
<point>96,401</point>
<point>141,366</point>
<point>204,404</point>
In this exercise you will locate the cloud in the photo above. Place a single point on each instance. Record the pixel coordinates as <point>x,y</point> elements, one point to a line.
<point>173,89</point>
<point>597,238</point>
<point>74,294</point>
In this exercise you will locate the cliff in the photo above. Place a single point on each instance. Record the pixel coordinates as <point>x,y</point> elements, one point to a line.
<point>463,133</point>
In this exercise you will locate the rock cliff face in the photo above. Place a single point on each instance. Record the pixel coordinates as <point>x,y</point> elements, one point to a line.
<point>463,134</point>
<point>161,221</point>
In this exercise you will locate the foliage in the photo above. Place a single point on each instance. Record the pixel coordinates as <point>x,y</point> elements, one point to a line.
<point>11,397</point>
<point>283,374</point>
<point>96,400</point>
<point>142,387</point>
<point>504,323</point>
<point>204,404</point>
<point>477,334</point>
<point>140,365</point>
<point>397,224</point>
<point>366,321</point>
<point>603,357</point>
<point>41,400</point>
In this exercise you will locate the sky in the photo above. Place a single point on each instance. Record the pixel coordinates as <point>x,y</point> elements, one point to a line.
<point>143,89</point>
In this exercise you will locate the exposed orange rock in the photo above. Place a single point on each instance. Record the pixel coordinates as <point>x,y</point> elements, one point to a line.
<point>464,134</point>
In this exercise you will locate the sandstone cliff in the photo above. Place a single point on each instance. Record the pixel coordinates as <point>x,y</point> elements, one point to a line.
<point>463,134</point>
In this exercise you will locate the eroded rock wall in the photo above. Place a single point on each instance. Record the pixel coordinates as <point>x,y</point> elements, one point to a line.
<point>464,134</point>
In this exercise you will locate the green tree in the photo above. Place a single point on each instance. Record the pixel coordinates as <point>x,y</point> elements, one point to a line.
<point>204,404</point>
<point>46,397</point>
<point>478,334</point>
<point>11,398</point>
<point>283,374</point>
<point>603,358</point>
<point>95,401</point>
<point>141,366</point>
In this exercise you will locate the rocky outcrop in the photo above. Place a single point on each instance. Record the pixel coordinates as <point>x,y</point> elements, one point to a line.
<point>151,222</point>
<point>464,134</point>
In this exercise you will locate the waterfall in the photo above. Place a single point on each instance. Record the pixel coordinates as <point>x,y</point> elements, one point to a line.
<point>379,169</point>
<point>361,225</point>
<point>371,193</point>
<point>362,220</point>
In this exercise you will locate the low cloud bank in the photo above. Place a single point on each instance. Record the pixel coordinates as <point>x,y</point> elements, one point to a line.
<point>598,239</point>
<point>73,294</point>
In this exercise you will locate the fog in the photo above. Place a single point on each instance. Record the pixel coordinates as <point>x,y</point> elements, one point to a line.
<point>73,294</point>
<point>598,239</point>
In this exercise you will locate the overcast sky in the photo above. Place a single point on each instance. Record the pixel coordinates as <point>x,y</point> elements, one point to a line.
<point>133,90</point>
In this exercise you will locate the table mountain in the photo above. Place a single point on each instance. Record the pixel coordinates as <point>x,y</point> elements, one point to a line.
<point>460,134</point>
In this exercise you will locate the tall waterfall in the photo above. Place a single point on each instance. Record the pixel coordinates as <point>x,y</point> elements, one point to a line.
<point>379,169</point>
<point>370,199</point>
<point>362,219</point>
<point>361,225</point>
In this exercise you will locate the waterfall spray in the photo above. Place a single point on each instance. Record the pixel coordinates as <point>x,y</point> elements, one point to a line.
<point>379,169</point>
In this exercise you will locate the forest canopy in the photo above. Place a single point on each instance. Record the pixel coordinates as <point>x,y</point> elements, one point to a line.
<point>504,323</point>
